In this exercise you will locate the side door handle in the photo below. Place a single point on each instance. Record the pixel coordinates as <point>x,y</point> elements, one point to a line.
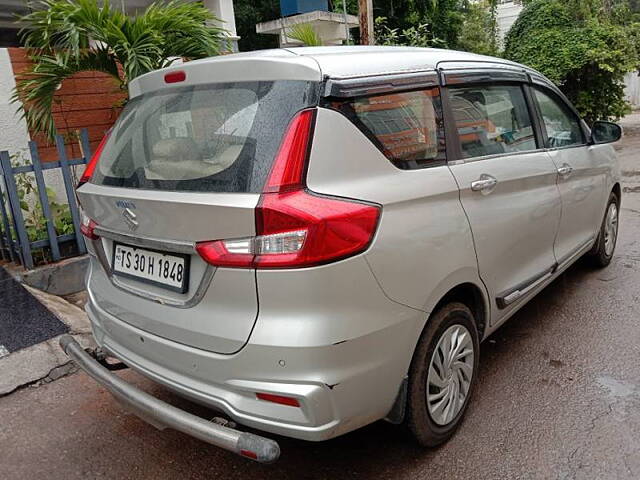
<point>565,170</point>
<point>484,184</point>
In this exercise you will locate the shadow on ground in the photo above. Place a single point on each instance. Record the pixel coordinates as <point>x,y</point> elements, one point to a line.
<point>382,450</point>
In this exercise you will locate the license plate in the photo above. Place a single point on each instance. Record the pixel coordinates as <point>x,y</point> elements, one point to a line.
<point>167,270</point>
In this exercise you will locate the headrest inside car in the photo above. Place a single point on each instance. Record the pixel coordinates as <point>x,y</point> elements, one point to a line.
<point>180,148</point>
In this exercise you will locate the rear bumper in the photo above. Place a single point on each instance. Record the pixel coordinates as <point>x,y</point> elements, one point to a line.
<point>162,414</point>
<point>338,386</point>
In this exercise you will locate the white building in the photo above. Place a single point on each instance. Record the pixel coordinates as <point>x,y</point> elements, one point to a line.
<point>507,14</point>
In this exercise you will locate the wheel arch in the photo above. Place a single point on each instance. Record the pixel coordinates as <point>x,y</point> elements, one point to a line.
<point>471,293</point>
<point>464,286</point>
<point>618,191</point>
<point>474,298</point>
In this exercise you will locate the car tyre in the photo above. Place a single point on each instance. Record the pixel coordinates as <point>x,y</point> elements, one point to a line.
<point>605,246</point>
<point>433,378</point>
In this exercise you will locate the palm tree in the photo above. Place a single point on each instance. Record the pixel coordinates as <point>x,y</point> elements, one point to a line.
<point>70,36</point>
<point>304,33</point>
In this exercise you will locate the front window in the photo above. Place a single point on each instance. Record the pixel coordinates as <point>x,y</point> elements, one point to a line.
<point>562,125</point>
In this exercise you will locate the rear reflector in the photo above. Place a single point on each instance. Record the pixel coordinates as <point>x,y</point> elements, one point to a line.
<point>88,226</point>
<point>91,166</point>
<point>175,77</point>
<point>249,454</point>
<point>282,400</point>
<point>296,228</point>
<point>218,253</point>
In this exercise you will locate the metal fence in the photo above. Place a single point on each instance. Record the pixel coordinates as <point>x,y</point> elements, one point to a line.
<point>15,244</point>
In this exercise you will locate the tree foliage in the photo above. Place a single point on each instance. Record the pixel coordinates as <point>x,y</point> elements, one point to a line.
<point>250,12</point>
<point>480,28</point>
<point>438,22</point>
<point>460,24</point>
<point>70,36</point>
<point>417,36</point>
<point>578,45</point>
<point>352,6</point>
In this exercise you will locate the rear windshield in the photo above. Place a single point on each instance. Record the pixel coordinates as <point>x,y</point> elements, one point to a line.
<point>220,137</point>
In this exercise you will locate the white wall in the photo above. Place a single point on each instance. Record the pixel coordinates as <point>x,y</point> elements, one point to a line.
<point>632,90</point>
<point>13,130</point>
<point>507,14</point>
<point>223,10</point>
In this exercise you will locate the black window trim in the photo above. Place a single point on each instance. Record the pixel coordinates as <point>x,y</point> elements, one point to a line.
<point>445,76</point>
<point>464,76</point>
<point>536,119</point>
<point>344,88</point>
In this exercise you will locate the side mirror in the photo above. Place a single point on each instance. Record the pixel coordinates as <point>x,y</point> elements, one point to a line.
<point>605,132</point>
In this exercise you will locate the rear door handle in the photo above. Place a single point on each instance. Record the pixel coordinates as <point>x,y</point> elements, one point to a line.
<point>565,170</point>
<point>484,184</point>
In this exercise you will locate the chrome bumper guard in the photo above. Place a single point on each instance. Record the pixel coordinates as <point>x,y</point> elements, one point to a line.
<point>159,413</point>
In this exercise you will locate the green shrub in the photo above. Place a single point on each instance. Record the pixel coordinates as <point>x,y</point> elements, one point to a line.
<point>34,219</point>
<point>421,23</point>
<point>416,36</point>
<point>583,50</point>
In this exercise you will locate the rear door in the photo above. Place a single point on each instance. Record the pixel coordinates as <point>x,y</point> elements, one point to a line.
<point>184,165</point>
<point>581,174</point>
<point>507,188</point>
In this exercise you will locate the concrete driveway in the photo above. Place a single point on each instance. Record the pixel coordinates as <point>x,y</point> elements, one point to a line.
<point>558,397</point>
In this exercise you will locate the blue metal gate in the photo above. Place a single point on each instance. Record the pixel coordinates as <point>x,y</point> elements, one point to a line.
<point>15,244</point>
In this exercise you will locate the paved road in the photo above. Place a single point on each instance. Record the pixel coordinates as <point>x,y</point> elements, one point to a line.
<point>24,321</point>
<point>558,397</point>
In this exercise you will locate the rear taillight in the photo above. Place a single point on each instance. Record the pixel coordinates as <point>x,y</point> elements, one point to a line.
<point>288,169</point>
<point>91,166</point>
<point>294,227</point>
<point>298,229</point>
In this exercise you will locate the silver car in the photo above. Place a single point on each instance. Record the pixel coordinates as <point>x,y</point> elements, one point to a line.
<point>310,240</point>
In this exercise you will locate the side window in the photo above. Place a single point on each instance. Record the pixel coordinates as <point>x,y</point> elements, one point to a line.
<point>562,125</point>
<point>407,127</point>
<point>492,119</point>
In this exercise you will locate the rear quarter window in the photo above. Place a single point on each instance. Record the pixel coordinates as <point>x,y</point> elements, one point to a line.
<point>209,138</point>
<point>406,127</point>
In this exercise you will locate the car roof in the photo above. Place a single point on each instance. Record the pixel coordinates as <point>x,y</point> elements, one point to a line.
<point>318,63</point>
<point>354,61</point>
